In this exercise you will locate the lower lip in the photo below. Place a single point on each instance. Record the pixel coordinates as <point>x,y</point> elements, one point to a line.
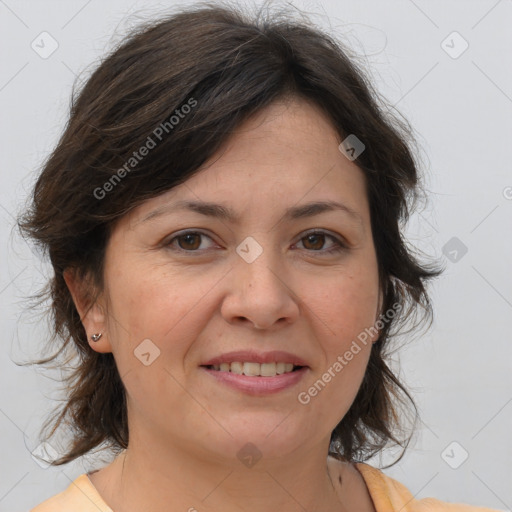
<point>258,385</point>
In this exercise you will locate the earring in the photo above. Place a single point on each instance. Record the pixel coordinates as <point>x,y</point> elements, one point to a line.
<point>96,337</point>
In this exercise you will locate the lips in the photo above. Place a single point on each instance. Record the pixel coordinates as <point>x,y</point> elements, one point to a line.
<point>257,385</point>
<point>257,373</point>
<point>248,356</point>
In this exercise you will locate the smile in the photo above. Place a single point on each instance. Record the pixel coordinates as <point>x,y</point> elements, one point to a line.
<point>256,382</point>
<point>255,369</point>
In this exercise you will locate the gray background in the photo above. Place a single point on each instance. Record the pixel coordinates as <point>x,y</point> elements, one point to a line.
<point>460,104</point>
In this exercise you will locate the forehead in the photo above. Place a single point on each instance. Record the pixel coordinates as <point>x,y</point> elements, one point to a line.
<point>283,157</point>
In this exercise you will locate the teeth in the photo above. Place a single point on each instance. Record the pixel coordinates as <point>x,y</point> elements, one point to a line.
<point>252,369</point>
<point>268,369</point>
<point>280,368</point>
<point>237,368</point>
<point>255,369</point>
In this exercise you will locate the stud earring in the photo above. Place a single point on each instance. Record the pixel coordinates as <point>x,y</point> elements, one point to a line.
<point>96,337</point>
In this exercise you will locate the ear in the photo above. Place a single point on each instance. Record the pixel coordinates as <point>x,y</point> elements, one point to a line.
<point>92,314</point>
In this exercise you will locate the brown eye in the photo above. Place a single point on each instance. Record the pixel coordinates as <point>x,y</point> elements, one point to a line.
<point>189,241</point>
<point>315,240</point>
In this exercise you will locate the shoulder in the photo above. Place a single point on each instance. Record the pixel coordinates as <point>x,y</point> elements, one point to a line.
<point>80,496</point>
<point>390,495</point>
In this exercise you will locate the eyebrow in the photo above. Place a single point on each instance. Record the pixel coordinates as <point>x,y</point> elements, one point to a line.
<point>216,210</point>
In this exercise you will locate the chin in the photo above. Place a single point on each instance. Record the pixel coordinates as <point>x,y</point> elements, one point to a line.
<point>269,437</point>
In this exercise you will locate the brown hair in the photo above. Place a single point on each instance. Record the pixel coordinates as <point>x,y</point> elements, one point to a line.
<point>225,67</point>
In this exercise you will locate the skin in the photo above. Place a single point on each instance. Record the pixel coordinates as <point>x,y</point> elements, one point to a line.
<point>185,427</point>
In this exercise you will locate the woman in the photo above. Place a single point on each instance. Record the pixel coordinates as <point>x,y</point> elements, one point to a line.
<point>223,218</point>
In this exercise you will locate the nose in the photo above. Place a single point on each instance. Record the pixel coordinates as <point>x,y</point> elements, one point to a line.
<point>260,294</point>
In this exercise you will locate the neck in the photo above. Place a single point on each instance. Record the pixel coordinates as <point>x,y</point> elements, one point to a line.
<point>143,478</point>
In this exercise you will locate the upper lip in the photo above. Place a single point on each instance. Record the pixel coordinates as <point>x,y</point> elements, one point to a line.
<point>251,356</point>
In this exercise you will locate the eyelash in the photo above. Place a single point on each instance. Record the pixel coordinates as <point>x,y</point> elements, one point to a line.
<point>339,247</point>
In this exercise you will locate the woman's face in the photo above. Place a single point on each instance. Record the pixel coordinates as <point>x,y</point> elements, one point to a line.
<point>184,287</point>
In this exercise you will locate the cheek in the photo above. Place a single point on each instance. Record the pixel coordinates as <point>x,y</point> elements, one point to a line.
<point>152,325</point>
<point>346,310</point>
<point>164,307</point>
<point>347,304</point>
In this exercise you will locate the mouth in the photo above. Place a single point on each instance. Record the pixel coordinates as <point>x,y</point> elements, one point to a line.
<point>257,373</point>
<point>253,369</point>
<point>257,379</point>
